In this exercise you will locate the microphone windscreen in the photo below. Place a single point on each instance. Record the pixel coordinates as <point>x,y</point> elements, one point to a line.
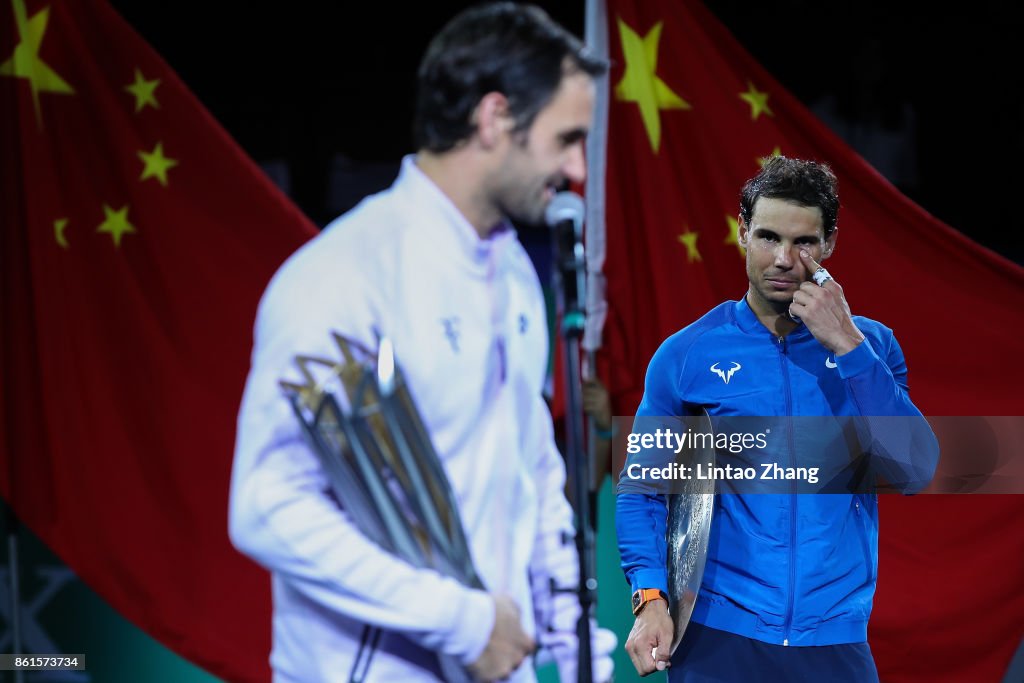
<point>565,206</point>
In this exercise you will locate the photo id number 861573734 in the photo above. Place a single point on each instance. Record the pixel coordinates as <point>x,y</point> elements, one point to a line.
<point>48,662</point>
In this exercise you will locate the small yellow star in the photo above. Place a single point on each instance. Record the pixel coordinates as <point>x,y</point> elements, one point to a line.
<point>641,85</point>
<point>156,164</point>
<point>144,91</point>
<point>25,62</point>
<point>777,152</point>
<point>734,235</point>
<point>689,238</point>
<point>116,223</point>
<point>757,100</point>
<point>58,232</point>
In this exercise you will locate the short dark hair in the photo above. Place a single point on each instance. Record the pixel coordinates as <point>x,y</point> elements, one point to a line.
<point>808,183</point>
<point>514,49</point>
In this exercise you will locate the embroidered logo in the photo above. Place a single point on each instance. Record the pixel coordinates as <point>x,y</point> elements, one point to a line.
<point>829,363</point>
<point>451,331</point>
<point>524,323</point>
<point>726,375</point>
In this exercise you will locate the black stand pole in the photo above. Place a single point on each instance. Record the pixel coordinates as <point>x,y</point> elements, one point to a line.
<point>569,279</point>
<point>579,468</point>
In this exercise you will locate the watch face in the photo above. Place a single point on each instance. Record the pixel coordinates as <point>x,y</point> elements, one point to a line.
<point>636,600</point>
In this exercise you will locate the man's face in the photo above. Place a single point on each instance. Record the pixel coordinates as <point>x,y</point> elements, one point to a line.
<point>540,160</point>
<point>778,230</point>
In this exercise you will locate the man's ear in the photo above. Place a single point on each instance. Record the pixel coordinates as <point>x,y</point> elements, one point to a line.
<point>830,244</point>
<point>742,233</point>
<point>492,119</point>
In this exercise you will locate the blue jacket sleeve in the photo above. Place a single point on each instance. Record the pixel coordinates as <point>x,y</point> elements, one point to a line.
<point>640,518</point>
<point>901,443</point>
<point>640,525</point>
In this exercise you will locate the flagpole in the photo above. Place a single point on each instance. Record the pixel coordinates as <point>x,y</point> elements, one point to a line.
<point>596,36</point>
<point>588,334</point>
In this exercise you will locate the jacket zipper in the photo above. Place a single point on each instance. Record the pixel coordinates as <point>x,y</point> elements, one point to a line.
<point>788,624</point>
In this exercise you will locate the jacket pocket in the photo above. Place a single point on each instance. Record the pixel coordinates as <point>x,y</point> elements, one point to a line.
<point>864,527</point>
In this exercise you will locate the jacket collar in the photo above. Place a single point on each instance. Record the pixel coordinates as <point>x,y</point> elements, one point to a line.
<point>446,222</point>
<point>747,321</point>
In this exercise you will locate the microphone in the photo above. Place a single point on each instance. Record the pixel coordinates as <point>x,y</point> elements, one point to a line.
<point>564,216</point>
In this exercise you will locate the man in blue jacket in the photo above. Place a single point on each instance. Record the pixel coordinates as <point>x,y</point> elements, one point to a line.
<point>789,579</point>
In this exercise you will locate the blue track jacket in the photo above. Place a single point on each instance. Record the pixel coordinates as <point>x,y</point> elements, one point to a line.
<point>787,569</point>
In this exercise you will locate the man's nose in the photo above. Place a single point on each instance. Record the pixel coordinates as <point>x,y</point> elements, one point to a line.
<point>784,256</point>
<point>575,166</point>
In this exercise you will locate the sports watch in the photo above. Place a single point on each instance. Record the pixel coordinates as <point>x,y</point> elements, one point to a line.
<point>644,596</point>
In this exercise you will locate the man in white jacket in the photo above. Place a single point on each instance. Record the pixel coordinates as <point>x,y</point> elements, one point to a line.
<point>505,100</point>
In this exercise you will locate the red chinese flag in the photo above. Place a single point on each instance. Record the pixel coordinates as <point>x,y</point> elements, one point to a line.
<point>690,115</point>
<point>136,240</point>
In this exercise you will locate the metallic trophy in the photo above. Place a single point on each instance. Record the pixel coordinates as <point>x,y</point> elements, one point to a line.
<point>687,529</point>
<point>360,420</point>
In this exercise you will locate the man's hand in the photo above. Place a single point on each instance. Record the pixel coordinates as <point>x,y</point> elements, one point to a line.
<point>650,640</point>
<point>825,312</point>
<point>509,645</point>
<point>596,404</point>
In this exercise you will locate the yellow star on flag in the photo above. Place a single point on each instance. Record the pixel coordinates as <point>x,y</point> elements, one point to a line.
<point>757,100</point>
<point>734,234</point>
<point>58,232</point>
<point>641,85</point>
<point>777,152</point>
<point>156,164</point>
<point>116,223</point>
<point>25,61</point>
<point>689,239</point>
<point>144,91</point>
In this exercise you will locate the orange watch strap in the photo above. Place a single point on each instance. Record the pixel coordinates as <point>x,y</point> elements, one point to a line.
<point>644,596</point>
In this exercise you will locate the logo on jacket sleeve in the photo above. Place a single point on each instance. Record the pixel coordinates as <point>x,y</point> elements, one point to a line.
<point>830,364</point>
<point>726,375</point>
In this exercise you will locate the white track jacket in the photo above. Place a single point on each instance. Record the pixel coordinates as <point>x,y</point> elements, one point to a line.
<point>468,322</point>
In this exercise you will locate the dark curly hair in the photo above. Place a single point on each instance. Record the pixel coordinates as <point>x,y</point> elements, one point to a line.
<point>807,183</point>
<point>514,49</point>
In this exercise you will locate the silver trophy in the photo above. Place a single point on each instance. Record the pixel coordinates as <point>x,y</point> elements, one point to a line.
<point>687,529</point>
<point>360,420</point>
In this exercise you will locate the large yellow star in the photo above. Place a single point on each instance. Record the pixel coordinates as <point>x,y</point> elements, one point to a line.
<point>156,164</point>
<point>689,238</point>
<point>641,85</point>
<point>144,91</point>
<point>25,62</point>
<point>734,234</point>
<point>116,223</point>
<point>757,100</point>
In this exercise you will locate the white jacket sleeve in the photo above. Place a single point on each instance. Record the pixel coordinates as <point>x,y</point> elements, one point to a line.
<point>283,515</point>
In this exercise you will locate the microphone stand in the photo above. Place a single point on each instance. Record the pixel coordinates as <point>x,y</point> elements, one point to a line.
<point>570,273</point>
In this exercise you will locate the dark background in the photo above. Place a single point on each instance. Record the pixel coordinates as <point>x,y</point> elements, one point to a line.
<point>321,93</point>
